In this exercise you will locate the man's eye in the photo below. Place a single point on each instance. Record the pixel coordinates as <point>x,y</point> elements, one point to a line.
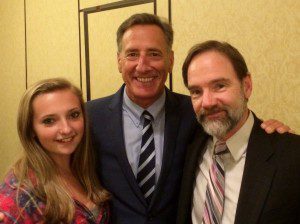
<point>75,114</point>
<point>132,55</point>
<point>155,54</point>
<point>195,92</point>
<point>219,86</point>
<point>48,121</point>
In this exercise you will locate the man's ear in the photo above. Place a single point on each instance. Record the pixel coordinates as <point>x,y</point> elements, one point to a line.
<point>247,86</point>
<point>119,59</point>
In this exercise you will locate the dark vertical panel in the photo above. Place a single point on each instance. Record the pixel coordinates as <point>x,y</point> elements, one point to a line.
<point>25,39</point>
<point>87,56</point>
<point>170,21</point>
<point>170,11</point>
<point>79,36</point>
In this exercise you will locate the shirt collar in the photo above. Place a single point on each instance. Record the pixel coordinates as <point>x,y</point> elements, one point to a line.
<point>135,111</point>
<point>237,144</point>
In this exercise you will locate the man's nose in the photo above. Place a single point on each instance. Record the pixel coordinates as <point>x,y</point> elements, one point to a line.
<point>208,99</point>
<point>143,64</point>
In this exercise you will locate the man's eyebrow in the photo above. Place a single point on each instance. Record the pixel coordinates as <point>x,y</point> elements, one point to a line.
<point>130,50</point>
<point>224,80</point>
<point>153,49</point>
<point>220,80</point>
<point>193,87</point>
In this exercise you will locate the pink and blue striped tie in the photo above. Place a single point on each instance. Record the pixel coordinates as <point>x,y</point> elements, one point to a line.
<point>214,202</point>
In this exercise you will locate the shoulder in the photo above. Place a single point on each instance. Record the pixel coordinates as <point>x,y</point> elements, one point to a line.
<point>104,107</point>
<point>286,141</point>
<point>8,204</point>
<point>181,104</point>
<point>178,96</point>
<point>286,146</point>
<point>18,205</point>
<point>98,104</point>
<point>276,139</point>
<point>100,110</point>
<point>179,101</point>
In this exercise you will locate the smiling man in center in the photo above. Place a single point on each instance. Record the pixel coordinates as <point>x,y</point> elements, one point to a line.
<point>144,177</point>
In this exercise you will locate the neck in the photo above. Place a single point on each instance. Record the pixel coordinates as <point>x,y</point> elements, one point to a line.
<point>144,103</point>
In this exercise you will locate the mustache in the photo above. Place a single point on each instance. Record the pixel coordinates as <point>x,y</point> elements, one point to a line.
<point>203,113</point>
<point>212,110</point>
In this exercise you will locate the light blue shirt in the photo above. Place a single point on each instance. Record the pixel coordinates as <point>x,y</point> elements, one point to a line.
<point>133,124</point>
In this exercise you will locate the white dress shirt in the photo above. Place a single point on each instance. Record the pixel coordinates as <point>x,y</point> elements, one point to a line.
<point>234,162</point>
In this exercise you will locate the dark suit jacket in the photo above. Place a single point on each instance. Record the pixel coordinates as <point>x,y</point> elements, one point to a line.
<point>270,188</point>
<point>128,204</point>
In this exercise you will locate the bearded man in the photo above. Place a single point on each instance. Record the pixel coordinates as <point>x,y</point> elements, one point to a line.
<point>236,173</point>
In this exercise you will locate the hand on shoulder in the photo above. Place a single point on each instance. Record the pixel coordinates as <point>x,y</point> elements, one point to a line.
<point>272,125</point>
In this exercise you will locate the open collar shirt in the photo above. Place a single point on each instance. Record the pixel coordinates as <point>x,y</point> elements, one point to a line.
<point>234,163</point>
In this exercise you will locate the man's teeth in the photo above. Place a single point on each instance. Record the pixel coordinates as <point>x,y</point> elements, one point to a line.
<point>140,79</point>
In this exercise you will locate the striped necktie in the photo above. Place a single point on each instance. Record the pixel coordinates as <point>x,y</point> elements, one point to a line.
<point>146,167</point>
<point>214,202</point>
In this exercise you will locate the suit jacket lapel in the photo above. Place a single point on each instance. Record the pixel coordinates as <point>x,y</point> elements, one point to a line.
<point>193,158</point>
<point>117,133</point>
<point>258,174</point>
<point>171,128</point>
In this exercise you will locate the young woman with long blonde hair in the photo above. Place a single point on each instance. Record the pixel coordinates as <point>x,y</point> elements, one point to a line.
<point>54,181</point>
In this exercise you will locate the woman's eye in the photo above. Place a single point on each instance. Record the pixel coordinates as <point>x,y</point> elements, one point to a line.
<point>75,114</point>
<point>48,121</point>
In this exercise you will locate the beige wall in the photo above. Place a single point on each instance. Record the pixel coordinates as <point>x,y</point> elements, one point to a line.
<point>12,77</point>
<point>52,40</point>
<point>266,33</point>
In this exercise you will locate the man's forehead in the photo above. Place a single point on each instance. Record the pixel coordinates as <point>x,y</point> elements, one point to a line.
<point>143,32</point>
<point>144,37</point>
<point>149,49</point>
<point>208,80</point>
<point>141,27</point>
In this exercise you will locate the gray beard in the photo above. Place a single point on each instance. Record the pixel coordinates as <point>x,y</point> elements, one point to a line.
<point>219,128</point>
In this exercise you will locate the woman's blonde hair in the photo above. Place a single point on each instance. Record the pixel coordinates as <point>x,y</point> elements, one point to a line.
<point>47,186</point>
